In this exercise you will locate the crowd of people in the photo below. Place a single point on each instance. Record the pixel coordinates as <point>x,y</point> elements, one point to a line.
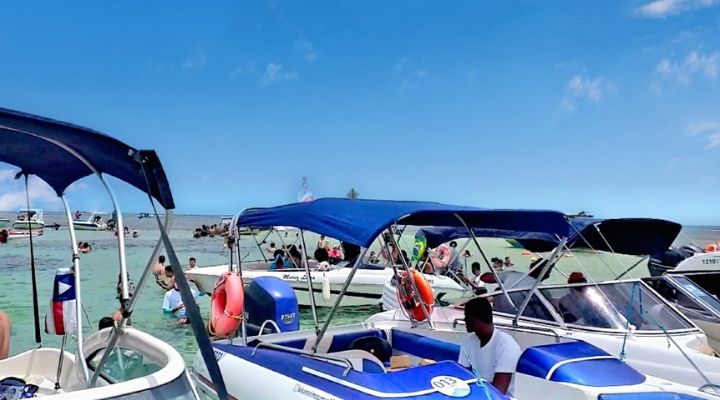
<point>211,230</point>
<point>172,300</point>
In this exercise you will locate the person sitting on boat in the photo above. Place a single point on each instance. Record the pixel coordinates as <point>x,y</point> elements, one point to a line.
<point>490,353</point>
<point>5,331</point>
<point>173,304</point>
<point>280,261</point>
<point>295,257</point>
<point>580,306</point>
<point>323,243</point>
<point>372,259</point>
<point>476,282</point>
<point>335,254</point>
<point>272,249</point>
<point>323,258</point>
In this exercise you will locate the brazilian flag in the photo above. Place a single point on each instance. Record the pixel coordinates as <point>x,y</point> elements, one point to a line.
<point>420,245</point>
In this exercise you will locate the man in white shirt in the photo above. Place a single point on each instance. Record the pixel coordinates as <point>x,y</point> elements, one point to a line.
<point>173,304</point>
<point>493,355</point>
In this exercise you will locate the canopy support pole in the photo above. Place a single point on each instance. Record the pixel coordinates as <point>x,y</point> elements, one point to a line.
<point>311,292</point>
<point>631,267</point>
<point>482,253</point>
<point>127,311</point>
<point>554,256</point>
<point>78,293</point>
<point>325,326</point>
<point>125,294</point>
<point>36,311</point>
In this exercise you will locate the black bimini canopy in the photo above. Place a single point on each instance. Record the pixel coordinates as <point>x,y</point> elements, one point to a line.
<point>44,147</point>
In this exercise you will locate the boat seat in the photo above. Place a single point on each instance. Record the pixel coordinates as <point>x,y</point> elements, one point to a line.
<point>362,361</point>
<point>424,346</point>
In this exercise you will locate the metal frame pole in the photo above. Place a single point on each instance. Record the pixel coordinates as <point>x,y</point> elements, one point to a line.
<point>487,262</point>
<point>410,276</point>
<point>550,262</point>
<point>78,292</point>
<point>309,281</point>
<point>319,335</point>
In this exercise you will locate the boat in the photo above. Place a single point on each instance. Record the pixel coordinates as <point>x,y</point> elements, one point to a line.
<point>29,218</point>
<point>406,361</point>
<point>118,361</point>
<point>624,317</point>
<point>23,234</point>
<point>366,288</point>
<point>94,222</point>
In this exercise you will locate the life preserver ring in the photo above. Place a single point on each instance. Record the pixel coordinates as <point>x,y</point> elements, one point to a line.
<point>227,305</point>
<point>415,302</point>
<point>442,256</point>
<point>712,247</point>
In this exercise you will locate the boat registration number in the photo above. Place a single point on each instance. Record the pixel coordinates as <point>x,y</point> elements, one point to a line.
<point>450,386</point>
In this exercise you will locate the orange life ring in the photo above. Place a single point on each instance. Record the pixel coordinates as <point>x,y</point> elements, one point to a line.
<point>712,247</point>
<point>227,305</point>
<point>415,302</point>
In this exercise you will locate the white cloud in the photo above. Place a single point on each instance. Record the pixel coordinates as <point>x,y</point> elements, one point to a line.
<point>665,8</point>
<point>694,64</point>
<point>7,175</point>
<point>241,70</point>
<point>412,74</point>
<point>582,88</point>
<point>709,129</point>
<point>195,63</point>
<point>41,195</point>
<point>276,73</point>
<point>307,49</point>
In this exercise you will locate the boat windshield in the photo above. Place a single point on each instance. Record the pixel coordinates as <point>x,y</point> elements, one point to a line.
<point>689,298</point>
<point>611,305</point>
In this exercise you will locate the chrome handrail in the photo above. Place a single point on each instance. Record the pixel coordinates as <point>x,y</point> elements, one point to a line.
<point>523,328</point>
<point>262,327</point>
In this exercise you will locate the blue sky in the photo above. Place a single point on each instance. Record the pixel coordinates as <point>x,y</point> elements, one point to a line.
<point>608,106</point>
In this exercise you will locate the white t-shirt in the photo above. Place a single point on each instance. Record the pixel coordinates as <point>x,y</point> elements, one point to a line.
<point>173,299</point>
<point>500,354</point>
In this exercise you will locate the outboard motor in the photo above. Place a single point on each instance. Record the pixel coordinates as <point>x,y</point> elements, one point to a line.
<point>669,259</point>
<point>271,298</point>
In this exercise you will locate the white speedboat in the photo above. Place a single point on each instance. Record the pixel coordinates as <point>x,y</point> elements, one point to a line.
<point>29,218</point>
<point>366,287</point>
<point>387,358</point>
<point>94,222</point>
<point>117,361</point>
<point>626,319</point>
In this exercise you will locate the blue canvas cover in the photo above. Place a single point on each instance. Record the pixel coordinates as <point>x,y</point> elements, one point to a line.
<point>360,222</point>
<point>35,144</point>
<point>634,236</point>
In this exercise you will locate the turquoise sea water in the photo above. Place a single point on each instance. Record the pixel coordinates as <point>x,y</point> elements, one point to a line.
<point>99,272</point>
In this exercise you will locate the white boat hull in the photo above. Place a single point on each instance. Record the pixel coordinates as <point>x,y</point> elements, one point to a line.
<point>24,225</point>
<point>39,366</point>
<point>86,226</point>
<point>366,287</point>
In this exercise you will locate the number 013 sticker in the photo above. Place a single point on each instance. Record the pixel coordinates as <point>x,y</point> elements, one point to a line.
<point>450,386</point>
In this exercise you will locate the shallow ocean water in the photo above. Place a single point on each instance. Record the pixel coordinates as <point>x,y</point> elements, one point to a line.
<point>99,272</point>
